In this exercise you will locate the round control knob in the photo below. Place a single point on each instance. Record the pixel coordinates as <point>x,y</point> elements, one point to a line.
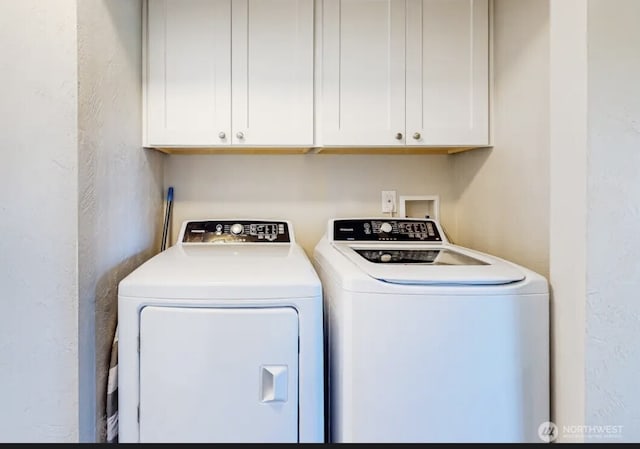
<point>385,257</point>
<point>386,227</point>
<point>240,135</point>
<point>222,135</point>
<point>237,229</point>
<point>399,136</point>
<point>417,136</point>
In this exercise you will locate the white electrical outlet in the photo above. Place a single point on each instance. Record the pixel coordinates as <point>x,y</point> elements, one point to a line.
<point>388,201</point>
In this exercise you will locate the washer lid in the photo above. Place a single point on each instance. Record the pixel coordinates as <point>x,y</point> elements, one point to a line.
<point>430,265</point>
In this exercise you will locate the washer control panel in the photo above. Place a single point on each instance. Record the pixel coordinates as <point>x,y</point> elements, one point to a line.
<point>381,230</point>
<point>236,231</point>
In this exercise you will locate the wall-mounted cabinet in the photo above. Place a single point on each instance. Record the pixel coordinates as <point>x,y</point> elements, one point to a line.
<point>389,74</point>
<point>223,73</point>
<point>404,73</point>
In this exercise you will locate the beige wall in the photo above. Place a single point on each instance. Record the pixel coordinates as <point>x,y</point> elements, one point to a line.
<point>502,194</point>
<point>307,189</point>
<point>568,151</point>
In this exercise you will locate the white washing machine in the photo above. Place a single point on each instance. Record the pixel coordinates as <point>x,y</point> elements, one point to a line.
<point>429,341</point>
<point>221,339</point>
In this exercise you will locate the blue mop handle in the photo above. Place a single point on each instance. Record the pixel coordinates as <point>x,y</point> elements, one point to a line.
<point>167,216</point>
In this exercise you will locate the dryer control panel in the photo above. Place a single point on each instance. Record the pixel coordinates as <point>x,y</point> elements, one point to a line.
<point>236,231</point>
<point>383,230</point>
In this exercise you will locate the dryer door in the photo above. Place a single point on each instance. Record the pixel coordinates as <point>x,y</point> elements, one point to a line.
<point>218,374</point>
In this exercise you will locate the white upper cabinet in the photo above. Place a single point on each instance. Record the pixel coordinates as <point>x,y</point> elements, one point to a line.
<point>188,72</point>
<point>229,72</point>
<point>447,72</point>
<point>389,73</point>
<point>404,73</point>
<point>272,68</point>
<point>363,70</point>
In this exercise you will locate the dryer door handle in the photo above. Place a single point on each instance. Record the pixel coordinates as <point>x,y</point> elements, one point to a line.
<point>274,383</point>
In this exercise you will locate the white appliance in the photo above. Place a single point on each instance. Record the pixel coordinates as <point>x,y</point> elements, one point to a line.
<point>429,341</point>
<point>221,340</point>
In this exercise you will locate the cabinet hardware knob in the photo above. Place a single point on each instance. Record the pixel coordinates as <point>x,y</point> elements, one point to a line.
<point>240,135</point>
<point>399,136</point>
<point>417,136</point>
<point>222,135</point>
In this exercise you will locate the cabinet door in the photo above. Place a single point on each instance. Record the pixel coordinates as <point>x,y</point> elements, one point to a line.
<point>447,72</point>
<point>188,72</point>
<point>363,80</point>
<point>272,69</point>
<point>218,375</point>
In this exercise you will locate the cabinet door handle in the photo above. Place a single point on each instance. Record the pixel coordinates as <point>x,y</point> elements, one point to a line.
<point>417,136</point>
<point>240,135</point>
<point>399,136</point>
<point>222,135</point>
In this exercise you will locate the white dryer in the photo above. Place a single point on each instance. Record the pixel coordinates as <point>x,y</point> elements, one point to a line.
<point>429,341</point>
<point>221,340</point>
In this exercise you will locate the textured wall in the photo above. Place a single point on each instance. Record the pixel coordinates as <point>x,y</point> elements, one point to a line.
<point>38,210</point>
<point>120,186</point>
<point>613,246</point>
<point>307,189</point>
<point>502,193</point>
